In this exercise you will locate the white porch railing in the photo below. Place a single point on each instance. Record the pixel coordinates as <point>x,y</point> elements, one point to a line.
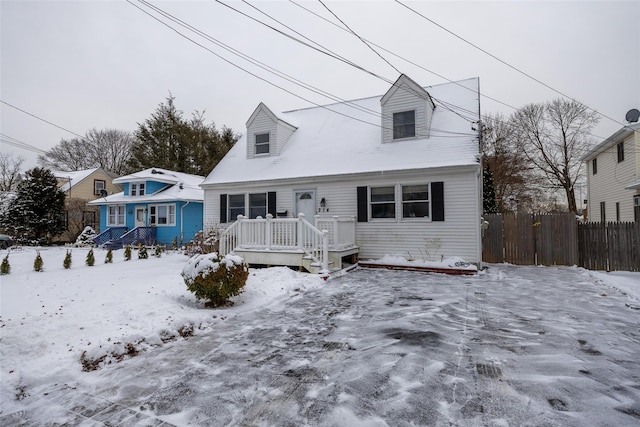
<point>292,234</point>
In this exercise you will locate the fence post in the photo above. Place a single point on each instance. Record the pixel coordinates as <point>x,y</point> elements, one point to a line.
<point>325,250</point>
<point>267,231</point>
<point>300,236</point>
<point>336,232</point>
<point>239,243</point>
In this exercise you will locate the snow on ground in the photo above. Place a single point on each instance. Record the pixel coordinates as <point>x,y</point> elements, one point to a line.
<point>509,346</point>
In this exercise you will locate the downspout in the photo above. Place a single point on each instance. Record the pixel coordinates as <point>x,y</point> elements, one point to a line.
<point>181,222</point>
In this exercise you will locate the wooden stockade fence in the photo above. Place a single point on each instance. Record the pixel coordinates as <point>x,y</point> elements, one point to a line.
<point>559,239</point>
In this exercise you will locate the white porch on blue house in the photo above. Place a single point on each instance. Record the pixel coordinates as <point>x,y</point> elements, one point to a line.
<point>294,242</point>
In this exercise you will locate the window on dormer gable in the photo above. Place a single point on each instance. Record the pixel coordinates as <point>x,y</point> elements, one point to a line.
<point>137,189</point>
<point>262,143</point>
<point>404,124</point>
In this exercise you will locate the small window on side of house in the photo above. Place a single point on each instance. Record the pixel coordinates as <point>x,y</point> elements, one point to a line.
<point>594,166</point>
<point>404,124</point>
<point>262,143</point>
<point>98,186</point>
<point>383,203</point>
<point>603,212</point>
<point>621,152</point>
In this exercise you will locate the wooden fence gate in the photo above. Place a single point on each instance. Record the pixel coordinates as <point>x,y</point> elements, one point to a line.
<point>558,239</point>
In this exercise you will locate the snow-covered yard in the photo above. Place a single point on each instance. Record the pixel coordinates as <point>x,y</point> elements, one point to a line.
<point>509,346</point>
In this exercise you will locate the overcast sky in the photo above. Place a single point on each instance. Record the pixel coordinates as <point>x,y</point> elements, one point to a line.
<point>85,64</point>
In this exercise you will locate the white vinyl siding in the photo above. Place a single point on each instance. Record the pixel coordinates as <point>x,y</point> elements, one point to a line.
<point>608,184</point>
<point>458,235</point>
<point>402,100</point>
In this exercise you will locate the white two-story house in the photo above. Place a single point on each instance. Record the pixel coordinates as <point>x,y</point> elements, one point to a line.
<point>613,177</point>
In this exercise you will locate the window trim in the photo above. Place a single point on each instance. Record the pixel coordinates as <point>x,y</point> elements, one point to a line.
<point>394,202</point>
<point>154,216</point>
<point>399,202</point>
<point>96,191</point>
<point>266,203</point>
<point>266,143</point>
<point>397,127</point>
<point>137,189</point>
<point>117,215</point>
<point>230,217</point>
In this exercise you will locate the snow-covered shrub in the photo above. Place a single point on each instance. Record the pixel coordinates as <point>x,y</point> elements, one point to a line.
<point>127,253</point>
<point>215,279</point>
<point>86,237</point>
<point>5,267</point>
<point>38,263</point>
<point>108,259</point>
<point>67,261</point>
<point>157,252</point>
<point>142,253</point>
<point>91,259</point>
<point>206,241</point>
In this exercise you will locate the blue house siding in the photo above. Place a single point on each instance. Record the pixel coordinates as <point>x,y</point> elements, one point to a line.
<point>188,221</point>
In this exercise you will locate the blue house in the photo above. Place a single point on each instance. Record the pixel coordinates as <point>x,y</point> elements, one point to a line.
<point>156,206</point>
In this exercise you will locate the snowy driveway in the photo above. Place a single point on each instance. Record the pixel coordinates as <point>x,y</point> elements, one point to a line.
<point>511,347</point>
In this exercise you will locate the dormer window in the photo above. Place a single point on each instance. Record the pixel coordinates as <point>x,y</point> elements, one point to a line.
<point>137,189</point>
<point>404,124</point>
<point>262,143</point>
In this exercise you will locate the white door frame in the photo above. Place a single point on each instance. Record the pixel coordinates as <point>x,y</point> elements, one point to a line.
<point>143,222</point>
<point>312,193</point>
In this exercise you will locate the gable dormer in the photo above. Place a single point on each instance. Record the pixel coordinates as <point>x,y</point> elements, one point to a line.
<point>267,134</point>
<point>407,109</point>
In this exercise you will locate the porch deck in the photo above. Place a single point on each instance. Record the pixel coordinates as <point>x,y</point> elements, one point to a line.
<point>294,242</point>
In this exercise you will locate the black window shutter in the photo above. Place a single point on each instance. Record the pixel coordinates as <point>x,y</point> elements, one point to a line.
<point>271,203</point>
<point>437,201</point>
<point>363,212</point>
<point>223,208</point>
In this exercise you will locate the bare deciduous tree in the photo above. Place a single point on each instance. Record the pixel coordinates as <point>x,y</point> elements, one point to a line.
<point>514,183</point>
<point>553,136</point>
<point>9,172</point>
<point>109,149</point>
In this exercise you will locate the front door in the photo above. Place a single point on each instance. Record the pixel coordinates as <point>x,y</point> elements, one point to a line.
<point>141,216</point>
<point>306,204</point>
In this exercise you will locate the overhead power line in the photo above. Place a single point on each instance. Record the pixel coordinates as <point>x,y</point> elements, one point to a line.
<point>43,120</point>
<point>246,57</point>
<point>360,38</point>
<point>507,64</point>
<point>6,139</point>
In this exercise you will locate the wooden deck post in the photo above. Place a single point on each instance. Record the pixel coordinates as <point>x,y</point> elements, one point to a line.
<point>267,231</point>
<point>325,250</point>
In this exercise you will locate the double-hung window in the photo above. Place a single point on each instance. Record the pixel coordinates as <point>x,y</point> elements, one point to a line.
<point>383,202</point>
<point>236,206</point>
<point>115,215</point>
<point>404,124</point>
<point>137,189</point>
<point>98,186</point>
<point>415,201</point>
<point>262,143</point>
<point>162,215</point>
<point>257,205</point>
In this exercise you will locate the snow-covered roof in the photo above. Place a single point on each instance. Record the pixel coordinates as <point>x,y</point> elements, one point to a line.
<point>72,178</point>
<point>346,138</point>
<point>180,186</point>
<point>614,139</point>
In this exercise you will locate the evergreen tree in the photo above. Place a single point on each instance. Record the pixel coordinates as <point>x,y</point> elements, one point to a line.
<point>5,267</point>
<point>488,192</point>
<point>37,211</point>
<point>127,253</point>
<point>167,140</point>
<point>142,253</point>
<point>91,259</point>
<point>109,258</point>
<point>67,261</point>
<point>38,263</point>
